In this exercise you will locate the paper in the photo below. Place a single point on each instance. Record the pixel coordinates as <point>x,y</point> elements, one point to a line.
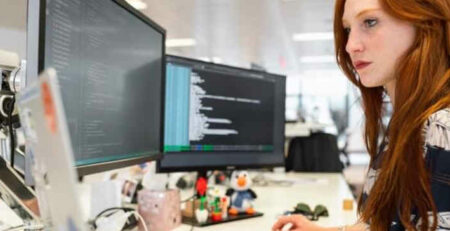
<point>8,218</point>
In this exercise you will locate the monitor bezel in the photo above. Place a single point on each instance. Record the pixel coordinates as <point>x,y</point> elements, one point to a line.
<point>165,169</point>
<point>110,165</point>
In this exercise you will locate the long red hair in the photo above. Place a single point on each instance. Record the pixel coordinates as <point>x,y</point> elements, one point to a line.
<point>423,87</point>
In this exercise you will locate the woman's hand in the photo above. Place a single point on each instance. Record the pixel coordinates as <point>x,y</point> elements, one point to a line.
<point>299,223</point>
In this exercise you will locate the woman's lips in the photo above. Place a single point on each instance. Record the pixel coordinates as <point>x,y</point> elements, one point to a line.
<point>361,65</point>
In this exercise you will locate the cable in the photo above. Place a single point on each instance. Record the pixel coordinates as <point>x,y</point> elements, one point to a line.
<point>110,209</point>
<point>13,87</point>
<point>142,219</point>
<point>24,227</point>
<point>193,212</point>
<point>10,111</point>
<point>93,222</point>
<point>11,132</point>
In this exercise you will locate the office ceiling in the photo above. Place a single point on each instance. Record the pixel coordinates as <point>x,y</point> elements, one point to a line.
<point>236,32</point>
<point>240,32</point>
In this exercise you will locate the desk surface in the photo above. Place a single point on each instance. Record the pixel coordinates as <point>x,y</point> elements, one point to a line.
<point>328,189</point>
<point>325,188</point>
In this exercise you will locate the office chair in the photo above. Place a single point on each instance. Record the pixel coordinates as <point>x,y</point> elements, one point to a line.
<point>318,152</point>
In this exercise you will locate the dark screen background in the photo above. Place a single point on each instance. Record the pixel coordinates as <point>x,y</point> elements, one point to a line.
<point>109,64</point>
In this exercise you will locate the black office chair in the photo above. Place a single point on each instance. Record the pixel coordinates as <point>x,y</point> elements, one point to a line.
<point>318,152</point>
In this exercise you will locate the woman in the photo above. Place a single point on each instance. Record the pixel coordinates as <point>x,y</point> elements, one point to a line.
<point>400,48</point>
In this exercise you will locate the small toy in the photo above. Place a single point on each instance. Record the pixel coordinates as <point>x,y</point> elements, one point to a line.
<point>201,186</point>
<point>201,214</point>
<point>216,213</point>
<point>214,196</point>
<point>241,196</point>
<point>224,207</point>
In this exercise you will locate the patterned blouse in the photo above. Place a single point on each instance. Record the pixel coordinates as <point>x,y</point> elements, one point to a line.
<point>437,157</point>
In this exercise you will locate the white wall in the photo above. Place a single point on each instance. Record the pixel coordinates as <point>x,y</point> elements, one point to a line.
<point>13,26</point>
<point>328,88</point>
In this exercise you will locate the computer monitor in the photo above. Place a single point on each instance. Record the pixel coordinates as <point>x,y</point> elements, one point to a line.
<point>110,61</point>
<point>221,117</point>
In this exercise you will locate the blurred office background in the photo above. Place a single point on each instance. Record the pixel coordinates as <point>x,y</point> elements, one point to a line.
<point>289,37</point>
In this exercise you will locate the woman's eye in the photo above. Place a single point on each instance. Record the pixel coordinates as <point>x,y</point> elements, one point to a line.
<point>370,22</point>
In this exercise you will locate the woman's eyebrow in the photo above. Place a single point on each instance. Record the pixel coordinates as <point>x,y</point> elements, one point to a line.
<point>366,11</point>
<point>361,13</point>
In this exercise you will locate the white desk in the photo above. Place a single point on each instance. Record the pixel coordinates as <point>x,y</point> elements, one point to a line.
<point>327,189</point>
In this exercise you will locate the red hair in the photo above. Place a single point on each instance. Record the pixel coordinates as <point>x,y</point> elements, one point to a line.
<point>422,88</point>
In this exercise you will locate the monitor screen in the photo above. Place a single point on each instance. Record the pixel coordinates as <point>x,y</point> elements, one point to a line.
<point>219,117</point>
<point>110,62</point>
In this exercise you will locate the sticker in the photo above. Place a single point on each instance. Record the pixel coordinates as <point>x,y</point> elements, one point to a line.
<point>28,125</point>
<point>49,107</point>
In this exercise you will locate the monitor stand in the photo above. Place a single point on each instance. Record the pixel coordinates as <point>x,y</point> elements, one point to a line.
<point>193,221</point>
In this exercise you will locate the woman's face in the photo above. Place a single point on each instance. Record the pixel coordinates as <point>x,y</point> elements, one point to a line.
<point>376,41</point>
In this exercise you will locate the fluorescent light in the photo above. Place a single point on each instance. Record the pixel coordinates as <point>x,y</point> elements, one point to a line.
<point>216,59</point>
<point>185,42</point>
<point>318,59</point>
<point>312,36</point>
<point>137,4</point>
<point>204,58</point>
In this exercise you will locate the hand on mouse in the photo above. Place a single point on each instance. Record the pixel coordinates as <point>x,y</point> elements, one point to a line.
<point>299,223</point>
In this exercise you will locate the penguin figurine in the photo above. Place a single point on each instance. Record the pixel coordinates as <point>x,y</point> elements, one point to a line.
<point>240,194</point>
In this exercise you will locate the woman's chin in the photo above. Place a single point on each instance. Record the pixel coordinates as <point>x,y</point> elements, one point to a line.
<point>366,82</point>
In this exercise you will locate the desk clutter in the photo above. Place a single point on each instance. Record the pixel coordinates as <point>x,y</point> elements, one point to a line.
<point>163,210</point>
<point>213,206</point>
<point>305,210</point>
<point>160,209</point>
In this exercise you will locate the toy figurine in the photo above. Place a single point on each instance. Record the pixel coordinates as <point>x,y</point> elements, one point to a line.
<point>216,213</point>
<point>241,196</point>
<point>201,214</point>
<point>224,204</point>
<point>214,196</point>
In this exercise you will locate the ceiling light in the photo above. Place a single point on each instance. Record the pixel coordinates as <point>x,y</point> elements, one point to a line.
<point>216,59</point>
<point>137,4</point>
<point>318,59</point>
<point>186,42</point>
<point>204,58</point>
<point>313,36</point>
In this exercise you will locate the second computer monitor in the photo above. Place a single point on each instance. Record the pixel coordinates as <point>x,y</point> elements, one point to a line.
<point>110,62</point>
<point>219,117</point>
